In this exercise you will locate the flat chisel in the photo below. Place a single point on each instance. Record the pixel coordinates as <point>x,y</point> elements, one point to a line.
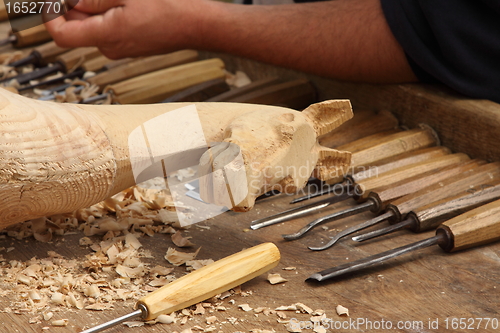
<point>399,208</point>
<point>202,284</point>
<point>473,228</point>
<point>41,55</point>
<point>428,217</point>
<point>28,37</point>
<point>400,161</point>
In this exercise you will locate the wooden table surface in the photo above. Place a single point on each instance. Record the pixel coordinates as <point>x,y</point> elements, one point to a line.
<point>417,290</point>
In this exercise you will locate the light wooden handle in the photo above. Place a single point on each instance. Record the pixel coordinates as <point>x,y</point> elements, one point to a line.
<point>369,141</point>
<point>396,162</point>
<point>31,36</point>
<point>93,65</point>
<point>386,194</point>
<point>143,66</point>
<point>156,86</point>
<point>397,175</point>
<point>237,92</point>
<point>476,227</point>
<point>211,280</point>
<point>390,146</point>
<point>363,124</point>
<point>428,217</point>
<point>48,52</point>
<point>446,188</point>
<point>78,56</point>
<point>297,94</point>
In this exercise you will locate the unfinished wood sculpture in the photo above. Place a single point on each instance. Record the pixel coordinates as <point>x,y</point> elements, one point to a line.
<point>56,158</point>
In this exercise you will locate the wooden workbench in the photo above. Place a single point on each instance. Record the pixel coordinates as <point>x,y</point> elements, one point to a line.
<point>418,290</point>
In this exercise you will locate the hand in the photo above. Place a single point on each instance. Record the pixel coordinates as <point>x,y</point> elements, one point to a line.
<point>129,28</point>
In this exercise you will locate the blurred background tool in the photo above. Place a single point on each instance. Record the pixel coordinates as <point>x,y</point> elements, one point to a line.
<point>28,37</point>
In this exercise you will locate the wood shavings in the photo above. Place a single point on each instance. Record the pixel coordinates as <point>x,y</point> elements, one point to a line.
<point>293,327</point>
<point>275,278</point>
<point>197,264</point>
<point>292,307</point>
<point>245,307</point>
<point>304,308</point>
<point>180,241</point>
<point>134,323</point>
<point>165,319</point>
<point>129,271</point>
<point>211,320</point>
<point>342,311</point>
<point>183,174</point>
<point>239,79</point>
<point>319,329</point>
<point>290,268</point>
<point>60,322</point>
<point>178,258</point>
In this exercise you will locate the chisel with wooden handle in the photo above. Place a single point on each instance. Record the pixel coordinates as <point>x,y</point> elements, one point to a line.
<point>200,92</point>
<point>430,216</point>
<point>388,146</point>
<point>156,86</point>
<point>296,94</point>
<point>251,87</point>
<point>420,176</point>
<point>399,208</point>
<point>428,161</point>
<point>125,69</point>
<point>28,37</point>
<point>64,62</point>
<point>143,66</point>
<point>202,284</point>
<point>363,124</point>
<point>41,55</point>
<point>476,227</point>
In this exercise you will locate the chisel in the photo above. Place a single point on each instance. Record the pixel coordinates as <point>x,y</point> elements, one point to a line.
<point>200,92</point>
<point>476,227</point>
<point>202,284</point>
<point>297,94</point>
<point>64,62</point>
<point>399,208</point>
<point>410,158</point>
<point>234,93</point>
<point>143,66</point>
<point>391,145</point>
<point>363,124</point>
<point>41,55</point>
<point>156,86</point>
<point>419,176</point>
<point>99,64</point>
<point>430,216</point>
<point>28,37</point>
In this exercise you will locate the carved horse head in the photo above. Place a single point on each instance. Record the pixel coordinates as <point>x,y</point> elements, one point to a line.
<point>261,152</point>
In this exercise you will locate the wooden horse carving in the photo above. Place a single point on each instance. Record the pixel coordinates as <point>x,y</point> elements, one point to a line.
<point>56,158</point>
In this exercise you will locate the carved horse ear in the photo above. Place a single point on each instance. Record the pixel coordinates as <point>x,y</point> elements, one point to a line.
<point>327,115</point>
<point>332,163</point>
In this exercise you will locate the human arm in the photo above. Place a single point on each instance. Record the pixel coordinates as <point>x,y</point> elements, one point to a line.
<point>343,39</point>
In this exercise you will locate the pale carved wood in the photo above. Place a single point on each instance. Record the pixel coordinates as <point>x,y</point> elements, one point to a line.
<point>55,158</point>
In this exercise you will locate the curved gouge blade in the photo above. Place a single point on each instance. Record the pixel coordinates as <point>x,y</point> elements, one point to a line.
<point>295,212</point>
<point>357,265</point>
<point>352,230</point>
<point>328,218</point>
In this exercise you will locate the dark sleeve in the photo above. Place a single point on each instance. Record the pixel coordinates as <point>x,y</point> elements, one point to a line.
<point>455,42</point>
